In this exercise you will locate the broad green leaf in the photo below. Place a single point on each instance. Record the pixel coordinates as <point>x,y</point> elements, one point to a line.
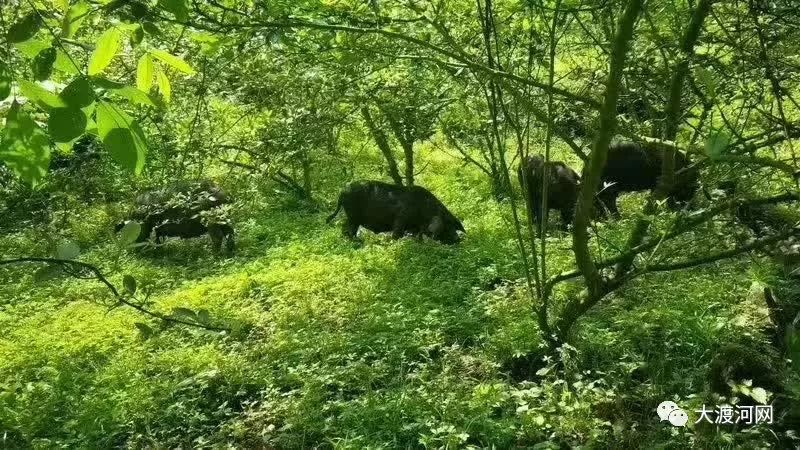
<point>173,61</point>
<point>717,143</point>
<point>135,95</point>
<point>105,83</point>
<point>144,329</point>
<point>108,45</point>
<point>176,7</point>
<point>32,47</point>
<point>25,29</point>
<point>79,93</point>
<point>91,127</point>
<point>127,92</point>
<point>163,85</point>
<point>68,250</point>
<point>144,73</point>
<point>66,124</point>
<point>26,147</point>
<point>111,116</point>
<point>42,64</point>
<point>129,283</point>
<point>5,81</point>
<point>122,147</point>
<point>209,43</point>
<point>89,110</point>
<point>40,95</point>
<point>74,18</point>
<point>129,233</point>
<point>121,136</point>
<point>128,27</point>
<point>64,63</point>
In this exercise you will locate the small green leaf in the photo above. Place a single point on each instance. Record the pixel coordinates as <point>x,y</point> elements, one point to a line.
<point>26,147</point>
<point>177,8</point>
<point>144,330</point>
<point>172,60</point>
<point>526,25</point>
<point>163,85</point>
<point>144,73</point>
<point>68,250</point>
<point>759,394</point>
<point>138,10</point>
<point>129,283</point>
<point>717,143</point>
<point>5,81</point>
<point>108,45</point>
<point>66,124</point>
<point>185,313</point>
<point>47,273</point>
<point>130,232</point>
<point>706,78</point>
<point>42,64</point>
<point>137,35</point>
<point>79,93</point>
<point>150,28</point>
<point>74,18</point>
<point>62,5</point>
<point>40,95</point>
<point>25,29</point>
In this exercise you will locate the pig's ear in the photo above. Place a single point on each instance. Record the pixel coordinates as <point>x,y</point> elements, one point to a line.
<point>436,225</point>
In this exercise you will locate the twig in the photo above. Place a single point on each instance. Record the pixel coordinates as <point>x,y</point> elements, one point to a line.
<point>73,267</point>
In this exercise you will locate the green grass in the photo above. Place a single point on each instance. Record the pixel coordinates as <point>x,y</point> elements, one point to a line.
<point>382,344</point>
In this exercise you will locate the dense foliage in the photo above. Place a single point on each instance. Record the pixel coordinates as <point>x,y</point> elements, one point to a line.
<point>127,123</point>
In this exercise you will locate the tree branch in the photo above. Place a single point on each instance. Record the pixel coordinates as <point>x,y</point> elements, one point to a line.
<point>73,267</point>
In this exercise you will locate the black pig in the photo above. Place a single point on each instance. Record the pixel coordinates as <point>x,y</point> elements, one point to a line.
<point>637,167</point>
<point>194,227</point>
<point>174,211</point>
<point>563,186</point>
<point>382,207</point>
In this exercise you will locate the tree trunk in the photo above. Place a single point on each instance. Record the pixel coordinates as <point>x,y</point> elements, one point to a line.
<point>672,113</point>
<point>306,164</point>
<point>591,177</point>
<point>407,142</point>
<point>408,150</point>
<point>383,145</point>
